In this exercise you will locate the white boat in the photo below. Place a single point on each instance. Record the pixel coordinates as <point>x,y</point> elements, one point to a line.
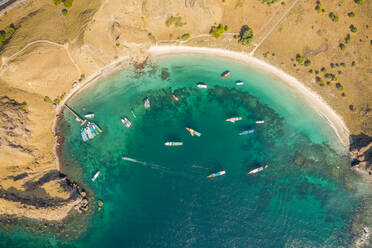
<point>89,116</point>
<point>171,143</point>
<point>126,122</point>
<point>260,122</point>
<point>202,85</point>
<point>134,115</point>
<point>257,170</point>
<point>234,119</point>
<point>95,176</point>
<point>193,132</point>
<point>239,83</point>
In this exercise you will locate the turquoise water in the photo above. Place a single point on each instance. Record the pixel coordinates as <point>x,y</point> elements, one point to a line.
<point>303,199</point>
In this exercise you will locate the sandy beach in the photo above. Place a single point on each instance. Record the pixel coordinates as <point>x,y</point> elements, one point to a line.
<point>313,99</point>
<point>95,77</point>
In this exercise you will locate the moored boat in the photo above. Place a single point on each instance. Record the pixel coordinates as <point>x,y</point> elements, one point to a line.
<point>247,132</point>
<point>84,135</point>
<point>202,85</point>
<point>220,173</point>
<point>172,143</point>
<point>95,176</point>
<point>89,116</point>
<point>226,74</point>
<point>126,122</point>
<point>234,119</point>
<point>260,122</point>
<point>146,103</point>
<point>193,132</point>
<point>257,169</point>
<point>239,83</point>
<point>175,97</point>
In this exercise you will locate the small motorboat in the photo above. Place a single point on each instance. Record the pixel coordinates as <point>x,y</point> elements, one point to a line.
<point>260,122</point>
<point>95,176</point>
<point>238,83</point>
<point>234,119</point>
<point>193,132</point>
<point>226,74</point>
<point>171,143</point>
<point>126,122</point>
<point>202,85</point>
<point>175,97</point>
<point>257,169</point>
<point>247,132</point>
<point>89,116</point>
<point>146,103</point>
<point>220,173</point>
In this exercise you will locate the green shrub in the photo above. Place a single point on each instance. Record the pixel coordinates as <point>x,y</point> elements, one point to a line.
<point>245,36</point>
<point>299,58</point>
<point>151,37</point>
<point>342,46</point>
<point>176,20</point>
<point>47,99</point>
<point>348,39</point>
<point>22,107</point>
<point>56,2</point>
<point>339,86</point>
<point>353,28</point>
<point>307,62</point>
<point>67,3</point>
<point>351,14</point>
<point>360,2</point>
<point>217,31</point>
<point>353,63</point>
<point>333,17</point>
<point>64,12</point>
<point>333,65</point>
<point>324,70</point>
<point>184,36</point>
<point>343,64</point>
<point>269,2</point>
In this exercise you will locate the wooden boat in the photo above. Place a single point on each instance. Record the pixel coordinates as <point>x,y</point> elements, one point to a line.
<point>226,74</point>
<point>175,97</point>
<point>234,119</point>
<point>220,173</point>
<point>193,132</point>
<point>257,169</point>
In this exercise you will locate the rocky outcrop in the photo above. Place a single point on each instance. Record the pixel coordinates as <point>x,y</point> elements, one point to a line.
<point>361,152</point>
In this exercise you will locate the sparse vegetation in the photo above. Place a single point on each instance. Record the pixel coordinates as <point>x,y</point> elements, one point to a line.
<point>333,17</point>
<point>342,46</point>
<point>6,34</point>
<point>353,28</point>
<point>217,31</point>
<point>64,12</point>
<point>339,86</point>
<point>245,36</point>
<point>184,36</point>
<point>348,39</point>
<point>351,14</point>
<point>360,2</point>
<point>47,99</point>
<point>300,59</point>
<point>176,20</point>
<point>66,3</point>
<point>307,62</point>
<point>151,37</point>
<point>269,2</point>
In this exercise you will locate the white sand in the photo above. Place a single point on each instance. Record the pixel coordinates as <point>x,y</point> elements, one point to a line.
<point>312,98</point>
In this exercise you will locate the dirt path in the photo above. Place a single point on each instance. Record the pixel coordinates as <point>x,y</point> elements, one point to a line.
<point>5,60</point>
<point>273,27</point>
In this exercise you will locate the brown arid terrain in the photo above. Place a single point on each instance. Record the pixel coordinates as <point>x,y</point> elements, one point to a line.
<point>47,51</point>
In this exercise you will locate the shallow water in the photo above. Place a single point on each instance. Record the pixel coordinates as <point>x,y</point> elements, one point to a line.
<point>303,199</point>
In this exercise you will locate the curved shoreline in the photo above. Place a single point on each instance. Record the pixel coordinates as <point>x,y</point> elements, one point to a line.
<point>312,99</point>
